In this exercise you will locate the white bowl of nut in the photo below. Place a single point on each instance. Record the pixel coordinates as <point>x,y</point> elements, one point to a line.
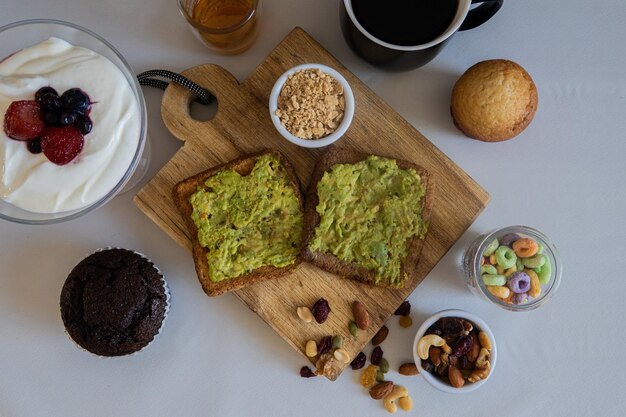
<point>311,105</point>
<point>455,351</point>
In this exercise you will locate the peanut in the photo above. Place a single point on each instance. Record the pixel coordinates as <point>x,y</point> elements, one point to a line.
<point>484,341</point>
<point>341,355</point>
<point>424,344</point>
<point>456,377</point>
<point>390,400</point>
<point>311,348</point>
<point>361,316</point>
<point>305,314</point>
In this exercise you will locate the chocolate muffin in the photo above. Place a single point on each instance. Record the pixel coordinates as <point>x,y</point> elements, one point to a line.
<point>114,302</point>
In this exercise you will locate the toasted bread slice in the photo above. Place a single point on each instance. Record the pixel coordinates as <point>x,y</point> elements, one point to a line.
<point>332,263</point>
<point>184,189</point>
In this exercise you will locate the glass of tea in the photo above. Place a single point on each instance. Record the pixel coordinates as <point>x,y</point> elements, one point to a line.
<point>227,27</point>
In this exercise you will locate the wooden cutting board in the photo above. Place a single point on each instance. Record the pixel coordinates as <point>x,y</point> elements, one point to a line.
<point>242,125</point>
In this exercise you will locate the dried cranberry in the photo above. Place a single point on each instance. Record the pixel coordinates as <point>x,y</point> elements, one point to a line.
<point>462,346</point>
<point>320,310</point>
<point>377,356</point>
<point>325,344</point>
<point>404,309</point>
<point>306,372</point>
<point>359,361</point>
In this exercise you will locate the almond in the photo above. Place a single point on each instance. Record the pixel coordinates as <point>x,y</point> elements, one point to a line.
<point>456,377</point>
<point>361,317</point>
<point>380,391</point>
<point>408,369</point>
<point>380,336</point>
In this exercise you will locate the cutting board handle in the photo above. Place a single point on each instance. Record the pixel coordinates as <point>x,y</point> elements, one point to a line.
<point>176,100</point>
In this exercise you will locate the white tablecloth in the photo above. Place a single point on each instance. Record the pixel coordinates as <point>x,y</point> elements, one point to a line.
<point>564,175</point>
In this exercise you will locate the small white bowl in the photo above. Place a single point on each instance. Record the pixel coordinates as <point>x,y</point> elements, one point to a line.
<point>434,380</point>
<point>347,115</point>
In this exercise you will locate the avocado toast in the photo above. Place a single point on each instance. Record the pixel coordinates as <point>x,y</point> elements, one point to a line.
<point>366,216</point>
<point>245,220</point>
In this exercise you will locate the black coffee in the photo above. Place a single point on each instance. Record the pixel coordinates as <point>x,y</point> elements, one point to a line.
<point>405,22</point>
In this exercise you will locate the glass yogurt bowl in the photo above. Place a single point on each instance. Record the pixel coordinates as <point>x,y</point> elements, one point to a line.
<point>19,35</point>
<point>473,261</point>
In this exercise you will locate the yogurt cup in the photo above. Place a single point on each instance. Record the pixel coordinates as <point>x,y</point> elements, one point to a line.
<point>63,55</point>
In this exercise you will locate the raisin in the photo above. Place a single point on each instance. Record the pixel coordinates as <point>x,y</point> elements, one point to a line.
<point>463,345</point>
<point>428,366</point>
<point>321,310</point>
<point>368,377</point>
<point>359,361</point>
<point>324,345</point>
<point>306,372</point>
<point>450,326</point>
<point>404,309</point>
<point>377,355</point>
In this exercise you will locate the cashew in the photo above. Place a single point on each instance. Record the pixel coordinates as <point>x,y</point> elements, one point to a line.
<point>483,359</point>
<point>390,400</point>
<point>426,342</point>
<point>406,403</point>
<point>478,374</point>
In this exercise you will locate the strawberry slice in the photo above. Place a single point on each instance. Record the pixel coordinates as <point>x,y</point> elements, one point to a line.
<point>61,144</point>
<point>24,120</point>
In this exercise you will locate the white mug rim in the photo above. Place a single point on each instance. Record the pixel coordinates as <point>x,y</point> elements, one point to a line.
<point>461,13</point>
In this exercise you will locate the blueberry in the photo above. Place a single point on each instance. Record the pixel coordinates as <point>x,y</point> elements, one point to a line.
<point>67,118</point>
<point>51,118</point>
<point>45,91</point>
<point>34,145</point>
<point>83,124</point>
<point>50,102</point>
<point>75,100</point>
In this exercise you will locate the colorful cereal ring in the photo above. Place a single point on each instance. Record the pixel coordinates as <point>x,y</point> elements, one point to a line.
<point>535,285</point>
<point>491,248</point>
<point>525,247</point>
<point>500,292</point>
<point>546,272</point>
<point>505,257</point>
<point>519,265</point>
<point>534,262</point>
<point>492,279</point>
<point>488,269</point>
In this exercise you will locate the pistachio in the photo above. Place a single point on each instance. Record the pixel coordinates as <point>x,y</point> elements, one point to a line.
<point>354,329</point>
<point>337,341</point>
<point>384,366</point>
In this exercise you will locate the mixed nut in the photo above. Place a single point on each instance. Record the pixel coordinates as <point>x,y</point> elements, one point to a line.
<point>456,351</point>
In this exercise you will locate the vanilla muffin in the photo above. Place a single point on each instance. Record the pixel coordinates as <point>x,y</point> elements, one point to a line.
<point>494,100</point>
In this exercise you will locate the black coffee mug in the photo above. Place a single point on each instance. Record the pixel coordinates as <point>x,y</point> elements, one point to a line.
<point>402,58</point>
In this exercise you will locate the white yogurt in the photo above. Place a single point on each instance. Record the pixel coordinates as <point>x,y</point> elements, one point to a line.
<point>31,181</point>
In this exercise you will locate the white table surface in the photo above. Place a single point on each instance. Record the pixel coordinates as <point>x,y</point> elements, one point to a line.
<point>564,175</point>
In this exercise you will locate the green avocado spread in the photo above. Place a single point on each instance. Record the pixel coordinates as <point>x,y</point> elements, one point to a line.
<point>368,211</point>
<point>246,222</point>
